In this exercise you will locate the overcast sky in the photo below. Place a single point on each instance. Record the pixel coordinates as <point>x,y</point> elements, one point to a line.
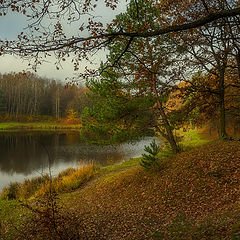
<point>12,24</point>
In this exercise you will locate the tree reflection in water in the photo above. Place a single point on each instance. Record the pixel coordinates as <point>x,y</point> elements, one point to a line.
<point>23,154</point>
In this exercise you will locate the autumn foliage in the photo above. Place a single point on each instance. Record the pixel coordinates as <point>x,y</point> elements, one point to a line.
<point>195,196</point>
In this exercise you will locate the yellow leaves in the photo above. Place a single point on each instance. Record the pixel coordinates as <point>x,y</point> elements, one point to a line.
<point>72,117</point>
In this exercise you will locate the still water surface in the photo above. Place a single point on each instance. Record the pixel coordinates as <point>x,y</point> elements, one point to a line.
<point>25,155</point>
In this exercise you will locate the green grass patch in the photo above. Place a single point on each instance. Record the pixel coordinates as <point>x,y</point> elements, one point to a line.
<point>126,164</point>
<point>191,139</point>
<point>12,215</point>
<point>37,126</point>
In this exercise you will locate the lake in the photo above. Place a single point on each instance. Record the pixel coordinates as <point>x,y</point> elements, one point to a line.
<point>29,154</point>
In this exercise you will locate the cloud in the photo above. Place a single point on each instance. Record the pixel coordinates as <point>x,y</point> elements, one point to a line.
<point>14,23</point>
<point>11,63</point>
<point>47,69</point>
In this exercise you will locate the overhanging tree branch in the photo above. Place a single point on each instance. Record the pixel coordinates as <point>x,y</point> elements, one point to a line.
<point>177,28</point>
<point>120,56</point>
<point>65,43</point>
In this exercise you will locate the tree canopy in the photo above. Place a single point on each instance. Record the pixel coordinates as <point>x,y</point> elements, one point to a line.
<point>151,48</point>
<point>47,31</point>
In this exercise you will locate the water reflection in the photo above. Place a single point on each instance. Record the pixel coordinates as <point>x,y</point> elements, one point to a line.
<point>30,154</point>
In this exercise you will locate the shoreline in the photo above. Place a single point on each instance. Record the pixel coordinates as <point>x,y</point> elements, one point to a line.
<point>152,203</point>
<point>37,126</point>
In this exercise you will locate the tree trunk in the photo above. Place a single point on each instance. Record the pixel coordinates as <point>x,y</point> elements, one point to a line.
<point>169,133</point>
<point>238,62</point>
<point>223,133</point>
<point>168,129</point>
<point>57,104</point>
<point>222,117</point>
<point>210,129</point>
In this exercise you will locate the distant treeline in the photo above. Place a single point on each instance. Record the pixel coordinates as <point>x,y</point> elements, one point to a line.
<point>28,94</point>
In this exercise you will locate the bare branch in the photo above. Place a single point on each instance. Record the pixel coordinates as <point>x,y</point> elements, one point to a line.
<point>120,56</point>
<point>65,43</point>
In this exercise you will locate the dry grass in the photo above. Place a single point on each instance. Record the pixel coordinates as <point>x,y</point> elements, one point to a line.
<point>68,180</point>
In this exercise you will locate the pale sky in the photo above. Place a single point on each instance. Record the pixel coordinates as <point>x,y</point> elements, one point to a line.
<point>12,24</point>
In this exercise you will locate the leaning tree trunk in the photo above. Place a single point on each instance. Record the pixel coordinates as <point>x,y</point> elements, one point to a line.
<point>169,136</point>
<point>169,133</point>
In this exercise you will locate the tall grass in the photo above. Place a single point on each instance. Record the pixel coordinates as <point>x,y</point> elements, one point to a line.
<point>68,180</point>
<point>11,192</point>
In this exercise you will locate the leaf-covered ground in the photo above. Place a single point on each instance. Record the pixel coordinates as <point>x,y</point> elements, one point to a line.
<point>196,196</point>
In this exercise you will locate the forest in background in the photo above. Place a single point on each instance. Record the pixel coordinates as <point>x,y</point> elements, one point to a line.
<point>28,97</point>
<point>187,52</point>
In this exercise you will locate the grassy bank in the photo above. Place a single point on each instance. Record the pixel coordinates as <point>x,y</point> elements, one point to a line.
<point>50,126</point>
<point>67,180</point>
<point>195,196</point>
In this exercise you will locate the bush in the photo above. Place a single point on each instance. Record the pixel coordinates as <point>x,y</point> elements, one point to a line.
<point>66,172</point>
<point>72,117</point>
<point>47,219</point>
<point>11,192</point>
<point>75,178</point>
<point>68,180</point>
<point>150,160</point>
<point>30,186</point>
